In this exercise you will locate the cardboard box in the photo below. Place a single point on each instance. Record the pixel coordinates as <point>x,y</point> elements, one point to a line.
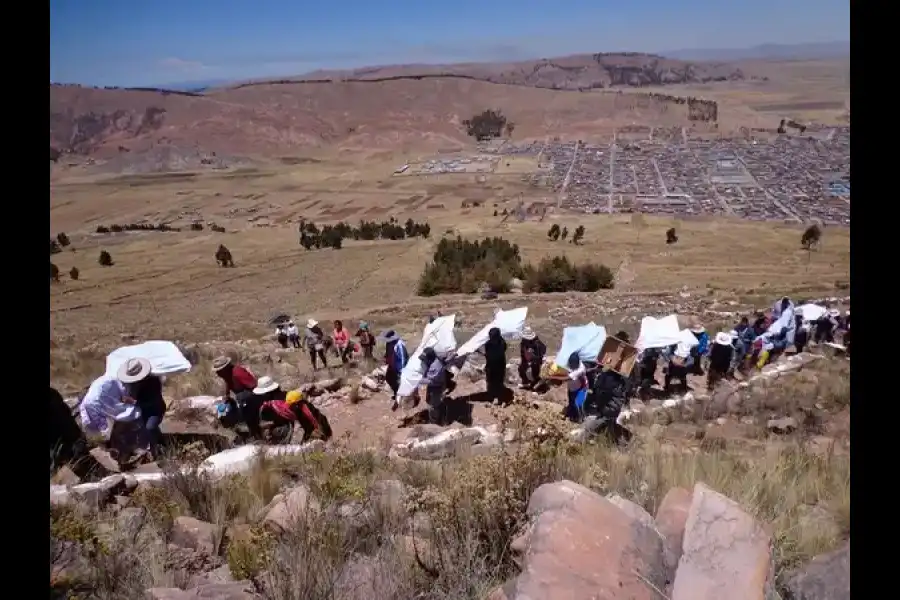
<point>617,356</point>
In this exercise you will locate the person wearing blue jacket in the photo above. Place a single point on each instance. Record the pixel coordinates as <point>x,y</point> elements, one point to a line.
<point>701,349</point>
<point>395,357</point>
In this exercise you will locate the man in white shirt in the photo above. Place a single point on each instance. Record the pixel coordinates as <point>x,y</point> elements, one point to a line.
<point>577,388</point>
<point>293,334</point>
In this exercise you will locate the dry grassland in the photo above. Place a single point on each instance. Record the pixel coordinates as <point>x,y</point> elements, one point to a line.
<point>168,284</point>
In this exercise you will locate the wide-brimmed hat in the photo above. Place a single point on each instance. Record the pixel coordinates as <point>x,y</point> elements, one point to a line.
<point>697,328</point>
<point>133,370</point>
<point>311,323</point>
<point>293,396</point>
<point>833,312</point>
<point>528,333</point>
<point>389,336</point>
<point>723,338</point>
<point>265,385</point>
<point>363,325</point>
<point>220,363</point>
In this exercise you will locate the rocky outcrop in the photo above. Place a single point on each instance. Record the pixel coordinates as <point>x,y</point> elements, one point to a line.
<point>726,552</point>
<point>671,518</point>
<point>229,462</point>
<point>581,545</point>
<point>433,444</point>
<point>701,545</point>
<point>826,577</point>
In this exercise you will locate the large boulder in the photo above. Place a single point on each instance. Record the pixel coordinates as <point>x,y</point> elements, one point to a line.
<point>726,552</point>
<point>446,443</point>
<point>826,577</point>
<point>581,545</point>
<point>99,493</point>
<point>296,503</point>
<point>189,532</point>
<point>671,517</point>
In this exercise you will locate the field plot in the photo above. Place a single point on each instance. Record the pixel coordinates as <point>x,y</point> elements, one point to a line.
<point>517,165</point>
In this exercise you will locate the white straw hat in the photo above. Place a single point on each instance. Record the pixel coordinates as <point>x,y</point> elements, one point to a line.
<point>723,339</point>
<point>312,323</point>
<point>265,385</point>
<point>528,333</point>
<point>133,370</point>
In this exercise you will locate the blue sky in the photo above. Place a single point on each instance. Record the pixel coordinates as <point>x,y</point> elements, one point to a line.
<point>154,42</point>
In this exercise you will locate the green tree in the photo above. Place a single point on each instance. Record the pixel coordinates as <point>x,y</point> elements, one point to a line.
<point>579,235</point>
<point>489,124</point>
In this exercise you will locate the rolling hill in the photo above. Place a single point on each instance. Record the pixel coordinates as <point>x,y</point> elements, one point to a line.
<point>400,107</point>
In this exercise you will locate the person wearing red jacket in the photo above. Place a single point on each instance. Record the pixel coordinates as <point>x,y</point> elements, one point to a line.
<point>239,384</point>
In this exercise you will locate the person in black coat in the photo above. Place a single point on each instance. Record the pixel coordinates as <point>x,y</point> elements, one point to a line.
<point>720,356</point>
<point>531,356</point>
<point>495,365</point>
<point>610,395</point>
<point>66,439</point>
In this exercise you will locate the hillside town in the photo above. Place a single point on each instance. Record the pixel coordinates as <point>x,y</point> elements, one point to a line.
<point>788,178</point>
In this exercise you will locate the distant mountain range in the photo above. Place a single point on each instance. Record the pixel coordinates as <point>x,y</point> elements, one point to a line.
<point>824,50</point>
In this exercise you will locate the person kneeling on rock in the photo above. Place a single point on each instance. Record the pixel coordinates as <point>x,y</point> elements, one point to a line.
<point>239,386</point>
<point>295,408</point>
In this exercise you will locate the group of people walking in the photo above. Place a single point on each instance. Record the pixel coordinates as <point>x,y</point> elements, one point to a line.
<point>125,409</point>
<point>318,343</point>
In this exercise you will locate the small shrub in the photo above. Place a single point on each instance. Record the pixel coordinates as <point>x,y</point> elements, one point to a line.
<point>54,273</point>
<point>249,554</point>
<point>557,274</point>
<point>811,237</point>
<point>63,239</point>
<point>671,236</point>
<point>196,226</point>
<point>224,257</point>
<point>54,247</point>
<point>579,235</point>
<point>159,506</point>
<point>462,266</point>
<point>105,259</point>
<point>74,273</point>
